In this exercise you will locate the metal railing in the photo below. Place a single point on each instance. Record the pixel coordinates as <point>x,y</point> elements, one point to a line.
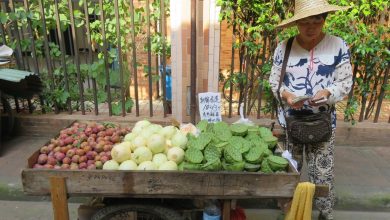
<point>79,47</point>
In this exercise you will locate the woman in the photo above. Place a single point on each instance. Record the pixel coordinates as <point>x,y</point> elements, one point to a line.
<point>318,66</point>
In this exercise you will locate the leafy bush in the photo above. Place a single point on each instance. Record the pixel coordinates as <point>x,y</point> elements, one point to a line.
<point>364,28</point>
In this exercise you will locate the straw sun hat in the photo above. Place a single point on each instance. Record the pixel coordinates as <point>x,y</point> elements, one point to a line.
<point>307,8</point>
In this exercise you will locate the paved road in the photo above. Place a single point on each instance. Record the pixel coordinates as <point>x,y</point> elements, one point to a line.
<point>269,214</point>
<point>24,210</point>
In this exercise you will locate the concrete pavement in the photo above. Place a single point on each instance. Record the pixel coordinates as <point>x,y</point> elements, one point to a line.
<point>271,214</point>
<point>24,210</point>
<point>28,210</point>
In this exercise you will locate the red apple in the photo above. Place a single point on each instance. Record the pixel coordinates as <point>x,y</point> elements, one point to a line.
<point>83,165</point>
<point>75,158</point>
<point>51,160</point>
<point>66,160</point>
<point>42,159</point>
<point>83,159</point>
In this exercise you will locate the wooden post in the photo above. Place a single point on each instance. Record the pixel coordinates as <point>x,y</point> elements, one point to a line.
<point>59,198</point>
<point>193,62</point>
<point>226,209</point>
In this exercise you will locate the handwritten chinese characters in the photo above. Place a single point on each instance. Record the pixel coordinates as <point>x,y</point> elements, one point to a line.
<point>210,106</point>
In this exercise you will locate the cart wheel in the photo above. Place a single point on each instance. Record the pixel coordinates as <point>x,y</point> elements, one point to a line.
<point>143,212</point>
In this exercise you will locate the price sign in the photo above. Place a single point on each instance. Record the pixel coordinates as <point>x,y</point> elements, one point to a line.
<point>210,106</point>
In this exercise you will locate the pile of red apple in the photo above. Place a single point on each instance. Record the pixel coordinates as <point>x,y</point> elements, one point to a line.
<point>81,146</point>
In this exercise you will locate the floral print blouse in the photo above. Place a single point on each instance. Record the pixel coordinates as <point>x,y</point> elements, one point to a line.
<point>326,66</point>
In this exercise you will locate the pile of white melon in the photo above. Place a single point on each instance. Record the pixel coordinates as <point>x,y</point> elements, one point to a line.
<point>149,147</point>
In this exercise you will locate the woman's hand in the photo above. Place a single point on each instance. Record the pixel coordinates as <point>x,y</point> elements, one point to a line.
<point>320,95</point>
<point>289,97</point>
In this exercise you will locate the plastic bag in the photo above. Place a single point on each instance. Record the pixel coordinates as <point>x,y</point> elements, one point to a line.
<point>287,155</point>
<point>5,51</point>
<point>243,120</point>
<point>5,54</point>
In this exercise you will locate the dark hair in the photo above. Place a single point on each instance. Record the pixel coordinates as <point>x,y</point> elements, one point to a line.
<point>323,15</point>
<point>318,17</point>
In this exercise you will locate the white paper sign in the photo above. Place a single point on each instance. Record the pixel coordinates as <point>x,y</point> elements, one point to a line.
<point>210,106</point>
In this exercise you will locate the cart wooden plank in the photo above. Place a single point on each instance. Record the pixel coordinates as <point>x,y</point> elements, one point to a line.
<point>59,198</point>
<point>158,184</point>
<point>163,184</point>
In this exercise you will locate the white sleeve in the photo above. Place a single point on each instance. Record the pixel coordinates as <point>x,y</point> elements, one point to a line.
<point>342,83</point>
<point>342,76</point>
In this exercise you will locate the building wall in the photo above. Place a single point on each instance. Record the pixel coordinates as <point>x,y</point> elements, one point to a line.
<point>226,47</point>
<point>207,52</point>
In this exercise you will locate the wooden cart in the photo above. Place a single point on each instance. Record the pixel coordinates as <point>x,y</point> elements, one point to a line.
<point>227,186</point>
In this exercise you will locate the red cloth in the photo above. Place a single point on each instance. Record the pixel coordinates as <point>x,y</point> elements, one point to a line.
<point>237,214</point>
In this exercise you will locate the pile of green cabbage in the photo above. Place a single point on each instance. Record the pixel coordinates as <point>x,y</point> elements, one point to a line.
<point>235,147</point>
<point>149,147</point>
<point>218,146</point>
